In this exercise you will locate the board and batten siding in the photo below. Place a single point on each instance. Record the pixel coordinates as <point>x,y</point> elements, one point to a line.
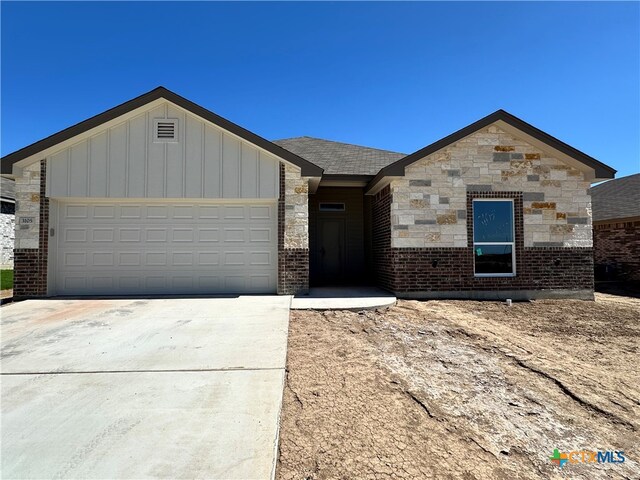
<point>125,162</point>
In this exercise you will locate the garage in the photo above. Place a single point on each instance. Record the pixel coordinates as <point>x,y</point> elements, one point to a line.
<point>162,202</point>
<point>159,196</point>
<point>126,248</point>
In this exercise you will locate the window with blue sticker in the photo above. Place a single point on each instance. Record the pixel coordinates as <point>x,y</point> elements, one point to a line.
<point>493,237</point>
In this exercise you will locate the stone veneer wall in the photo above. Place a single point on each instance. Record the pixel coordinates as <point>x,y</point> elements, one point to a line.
<point>423,229</point>
<point>617,250</point>
<point>32,233</point>
<point>293,232</point>
<point>448,271</point>
<point>429,207</point>
<point>7,233</point>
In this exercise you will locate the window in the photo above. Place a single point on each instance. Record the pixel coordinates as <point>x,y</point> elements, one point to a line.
<point>493,238</point>
<point>165,129</point>
<point>332,207</point>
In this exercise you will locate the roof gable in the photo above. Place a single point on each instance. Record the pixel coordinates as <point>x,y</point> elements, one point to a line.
<point>512,124</point>
<point>7,162</point>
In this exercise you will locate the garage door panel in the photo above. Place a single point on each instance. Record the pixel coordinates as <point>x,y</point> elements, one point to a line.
<point>76,211</point>
<point>136,248</point>
<point>104,212</point>
<point>131,211</point>
<point>102,283</point>
<point>234,235</point>
<point>129,234</point>
<point>129,259</point>
<point>182,259</point>
<point>102,235</point>
<point>208,258</point>
<point>260,235</point>
<point>182,235</point>
<point>75,235</point>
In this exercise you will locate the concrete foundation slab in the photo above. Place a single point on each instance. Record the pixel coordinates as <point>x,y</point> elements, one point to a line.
<point>343,298</point>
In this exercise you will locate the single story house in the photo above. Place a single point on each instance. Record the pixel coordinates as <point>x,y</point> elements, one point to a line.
<point>616,229</point>
<point>7,224</point>
<point>162,196</point>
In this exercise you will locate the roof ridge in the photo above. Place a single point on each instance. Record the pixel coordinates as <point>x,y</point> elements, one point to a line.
<point>340,143</point>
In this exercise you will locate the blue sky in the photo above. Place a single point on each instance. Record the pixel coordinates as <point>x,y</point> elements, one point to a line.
<point>389,75</point>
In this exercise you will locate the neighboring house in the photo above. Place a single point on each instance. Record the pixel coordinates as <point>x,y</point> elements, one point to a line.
<point>160,195</point>
<point>7,225</point>
<point>616,228</point>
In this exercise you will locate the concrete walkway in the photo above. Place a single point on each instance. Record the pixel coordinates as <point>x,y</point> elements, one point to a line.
<point>343,298</point>
<point>167,388</point>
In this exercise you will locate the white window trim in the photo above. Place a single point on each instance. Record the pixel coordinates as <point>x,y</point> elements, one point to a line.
<point>513,236</point>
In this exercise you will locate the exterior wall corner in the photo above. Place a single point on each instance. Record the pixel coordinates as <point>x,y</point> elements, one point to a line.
<point>32,233</point>
<point>293,232</point>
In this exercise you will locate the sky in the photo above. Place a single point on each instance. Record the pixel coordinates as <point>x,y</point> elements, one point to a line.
<point>396,76</point>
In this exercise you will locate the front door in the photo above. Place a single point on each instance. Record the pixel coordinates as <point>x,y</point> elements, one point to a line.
<point>332,251</point>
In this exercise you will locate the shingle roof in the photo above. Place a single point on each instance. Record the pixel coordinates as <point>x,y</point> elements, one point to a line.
<point>619,198</point>
<point>338,158</point>
<point>7,188</point>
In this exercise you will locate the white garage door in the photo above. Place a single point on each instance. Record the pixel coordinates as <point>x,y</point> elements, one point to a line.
<point>164,248</point>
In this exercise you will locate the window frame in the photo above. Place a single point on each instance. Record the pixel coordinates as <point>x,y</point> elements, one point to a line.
<point>341,207</point>
<point>512,243</point>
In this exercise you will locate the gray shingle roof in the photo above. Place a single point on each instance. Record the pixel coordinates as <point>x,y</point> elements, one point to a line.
<point>338,158</point>
<point>7,188</point>
<point>619,198</point>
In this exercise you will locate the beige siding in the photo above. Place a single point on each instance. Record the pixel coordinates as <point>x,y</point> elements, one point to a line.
<point>125,162</point>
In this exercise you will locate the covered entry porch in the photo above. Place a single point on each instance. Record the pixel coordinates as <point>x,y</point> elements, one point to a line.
<point>340,237</point>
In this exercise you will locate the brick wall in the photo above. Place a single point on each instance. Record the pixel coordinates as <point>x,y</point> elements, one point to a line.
<point>293,263</point>
<point>617,250</point>
<point>30,264</point>
<point>381,239</point>
<point>410,271</point>
<point>451,270</point>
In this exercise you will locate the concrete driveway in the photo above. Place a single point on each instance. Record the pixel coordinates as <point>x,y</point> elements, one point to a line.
<point>170,388</point>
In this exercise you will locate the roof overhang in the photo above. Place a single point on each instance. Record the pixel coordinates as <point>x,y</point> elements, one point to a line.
<point>345,180</point>
<point>12,163</point>
<point>593,169</point>
<point>606,221</point>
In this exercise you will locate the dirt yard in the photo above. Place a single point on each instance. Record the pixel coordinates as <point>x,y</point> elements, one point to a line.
<point>470,390</point>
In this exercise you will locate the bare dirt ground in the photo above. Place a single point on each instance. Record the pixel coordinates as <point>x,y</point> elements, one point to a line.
<point>470,390</point>
<point>6,293</point>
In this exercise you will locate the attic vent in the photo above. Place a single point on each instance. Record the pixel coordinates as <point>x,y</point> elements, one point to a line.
<point>165,129</point>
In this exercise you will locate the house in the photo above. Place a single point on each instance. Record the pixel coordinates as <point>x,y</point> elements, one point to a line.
<point>616,228</point>
<point>160,195</point>
<point>7,224</point>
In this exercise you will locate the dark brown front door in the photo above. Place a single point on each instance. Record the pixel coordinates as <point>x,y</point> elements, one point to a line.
<point>332,251</point>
